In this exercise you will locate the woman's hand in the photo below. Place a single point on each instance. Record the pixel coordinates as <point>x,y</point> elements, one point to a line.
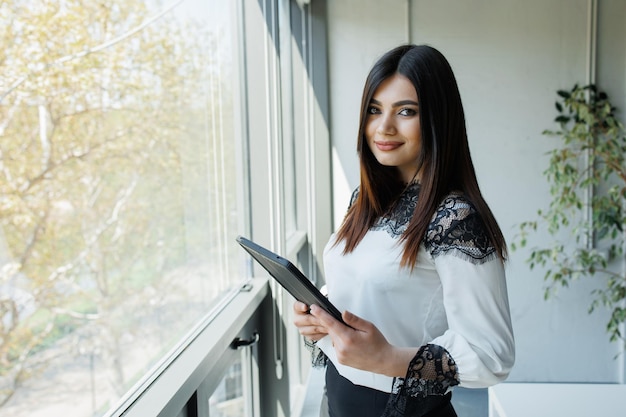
<point>308,325</point>
<point>363,346</point>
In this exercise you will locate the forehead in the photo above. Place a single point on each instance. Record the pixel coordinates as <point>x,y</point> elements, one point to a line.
<point>397,87</point>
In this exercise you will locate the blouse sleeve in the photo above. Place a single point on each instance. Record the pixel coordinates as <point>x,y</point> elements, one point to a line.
<point>478,348</point>
<point>480,336</point>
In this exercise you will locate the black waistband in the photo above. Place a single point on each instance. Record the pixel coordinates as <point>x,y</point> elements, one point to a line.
<point>346,399</point>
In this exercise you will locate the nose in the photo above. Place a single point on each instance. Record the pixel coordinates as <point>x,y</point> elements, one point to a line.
<point>386,125</point>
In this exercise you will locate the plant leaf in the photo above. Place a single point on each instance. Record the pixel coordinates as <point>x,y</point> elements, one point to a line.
<point>564,94</point>
<point>559,107</point>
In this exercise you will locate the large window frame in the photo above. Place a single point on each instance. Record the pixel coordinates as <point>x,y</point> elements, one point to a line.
<point>284,102</point>
<point>186,379</point>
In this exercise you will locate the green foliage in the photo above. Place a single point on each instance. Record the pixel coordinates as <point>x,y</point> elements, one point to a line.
<point>587,177</point>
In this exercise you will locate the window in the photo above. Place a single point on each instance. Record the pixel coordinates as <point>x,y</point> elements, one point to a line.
<point>228,398</point>
<point>118,192</point>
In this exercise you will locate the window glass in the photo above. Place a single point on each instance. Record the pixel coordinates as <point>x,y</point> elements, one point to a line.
<point>118,202</point>
<point>228,398</point>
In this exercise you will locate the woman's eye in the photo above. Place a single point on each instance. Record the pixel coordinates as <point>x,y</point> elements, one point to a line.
<point>372,110</point>
<point>407,112</point>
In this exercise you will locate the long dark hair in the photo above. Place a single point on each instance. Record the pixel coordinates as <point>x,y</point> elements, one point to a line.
<point>444,160</point>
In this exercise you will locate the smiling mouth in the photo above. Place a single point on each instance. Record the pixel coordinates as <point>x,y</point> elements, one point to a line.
<point>387,146</point>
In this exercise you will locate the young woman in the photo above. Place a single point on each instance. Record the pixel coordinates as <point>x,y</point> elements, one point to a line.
<point>417,265</point>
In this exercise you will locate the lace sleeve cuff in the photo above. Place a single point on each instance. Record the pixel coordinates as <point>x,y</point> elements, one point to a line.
<point>431,373</point>
<point>318,358</point>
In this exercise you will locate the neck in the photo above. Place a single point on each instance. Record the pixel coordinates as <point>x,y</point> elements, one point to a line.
<point>413,180</point>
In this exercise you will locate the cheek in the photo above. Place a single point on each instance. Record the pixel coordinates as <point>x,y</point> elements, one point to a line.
<point>417,146</point>
<point>415,141</point>
<point>416,135</point>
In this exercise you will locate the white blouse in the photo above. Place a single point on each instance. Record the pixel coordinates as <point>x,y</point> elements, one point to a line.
<point>455,297</point>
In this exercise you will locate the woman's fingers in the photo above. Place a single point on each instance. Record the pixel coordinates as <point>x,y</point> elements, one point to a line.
<point>360,346</point>
<point>300,307</point>
<point>308,325</point>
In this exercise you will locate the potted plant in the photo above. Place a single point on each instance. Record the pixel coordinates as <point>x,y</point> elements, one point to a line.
<point>587,178</point>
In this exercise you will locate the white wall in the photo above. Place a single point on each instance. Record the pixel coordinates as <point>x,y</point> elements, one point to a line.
<point>359,32</point>
<point>509,57</point>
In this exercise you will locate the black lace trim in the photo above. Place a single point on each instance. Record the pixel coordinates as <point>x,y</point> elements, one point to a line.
<point>457,229</point>
<point>432,372</point>
<point>396,221</point>
<point>318,357</point>
<point>355,194</point>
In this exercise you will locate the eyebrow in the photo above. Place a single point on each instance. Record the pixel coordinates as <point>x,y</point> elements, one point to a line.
<point>397,103</point>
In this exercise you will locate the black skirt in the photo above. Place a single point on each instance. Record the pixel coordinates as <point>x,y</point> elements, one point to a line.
<point>348,400</point>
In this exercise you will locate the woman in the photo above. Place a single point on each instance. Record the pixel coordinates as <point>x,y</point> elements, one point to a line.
<point>417,265</point>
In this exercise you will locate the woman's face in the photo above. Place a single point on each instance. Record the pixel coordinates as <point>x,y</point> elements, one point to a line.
<point>392,127</point>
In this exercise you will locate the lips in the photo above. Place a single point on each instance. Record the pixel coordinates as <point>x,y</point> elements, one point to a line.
<point>387,145</point>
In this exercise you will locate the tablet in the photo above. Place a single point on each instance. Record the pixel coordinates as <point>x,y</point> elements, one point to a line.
<point>289,277</point>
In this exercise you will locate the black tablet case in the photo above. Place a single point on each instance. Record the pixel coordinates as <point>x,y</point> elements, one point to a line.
<point>289,277</point>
